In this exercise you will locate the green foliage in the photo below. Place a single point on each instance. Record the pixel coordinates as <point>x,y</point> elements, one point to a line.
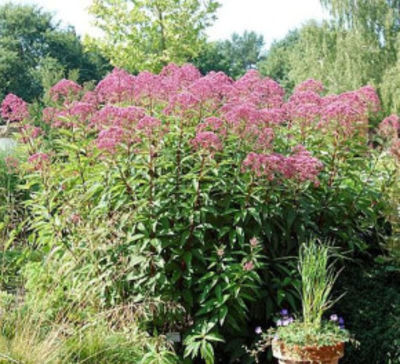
<point>234,56</point>
<point>375,19</point>
<point>341,59</point>
<point>98,344</point>
<point>276,63</point>
<point>200,343</point>
<point>148,34</point>
<point>11,207</point>
<point>317,279</point>
<point>33,47</point>
<point>371,307</point>
<point>27,338</point>
<point>301,334</point>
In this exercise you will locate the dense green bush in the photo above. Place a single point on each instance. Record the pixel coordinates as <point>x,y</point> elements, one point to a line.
<point>185,195</point>
<point>371,309</point>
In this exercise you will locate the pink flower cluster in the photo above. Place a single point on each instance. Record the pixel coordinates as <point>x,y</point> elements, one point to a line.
<point>29,132</point>
<point>39,160</point>
<point>395,149</point>
<point>14,109</point>
<point>300,166</point>
<point>342,118</point>
<point>124,117</point>
<point>252,88</point>
<point>248,266</point>
<point>249,108</point>
<point>109,139</point>
<point>342,115</point>
<point>175,78</point>
<point>12,163</point>
<point>116,87</point>
<point>65,90</point>
<point>148,126</point>
<point>126,111</point>
<point>207,140</point>
<point>310,85</point>
<point>129,125</point>
<point>119,86</point>
<point>304,108</point>
<point>213,124</point>
<point>390,127</point>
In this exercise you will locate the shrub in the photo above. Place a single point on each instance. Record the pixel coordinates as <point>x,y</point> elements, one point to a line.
<point>371,308</point>
<point>187,192</point>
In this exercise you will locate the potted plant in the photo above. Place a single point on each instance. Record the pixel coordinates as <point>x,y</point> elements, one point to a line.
<point>310,338</point>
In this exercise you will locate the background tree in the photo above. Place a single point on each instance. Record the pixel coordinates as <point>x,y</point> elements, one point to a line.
<point>276,63</point>
<point>148,34</point>
<point>342,59</point>
<point>32,45</point>
<point>358,45</point>
<point>233,56</point>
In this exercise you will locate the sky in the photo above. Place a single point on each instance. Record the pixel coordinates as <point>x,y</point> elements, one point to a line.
<point>271,18</point>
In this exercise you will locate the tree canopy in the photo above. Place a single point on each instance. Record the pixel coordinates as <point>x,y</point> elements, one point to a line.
<point>233,56</point>
<point>147,34</point>
<point>276,63</point>
<point>358,45</point>
<point>33,46</point>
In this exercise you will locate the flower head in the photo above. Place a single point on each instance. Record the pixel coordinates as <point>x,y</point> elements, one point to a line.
<point>14,109</point>
<point>254,242</point>
<point>390,127</point>
<point>248,266</point>
<point>109,139</point>
<point>334,318</point>
<point>12,163</point>
<point>116,87</point>
<point>220,252</point>
<point>310,85</point>
<point>284,312</point>
<point>39,160</point>
<point>287,321</point>
<point>65,90</point>
<point>207,140</point>
<point>395,149</point>
<point>148,125</point>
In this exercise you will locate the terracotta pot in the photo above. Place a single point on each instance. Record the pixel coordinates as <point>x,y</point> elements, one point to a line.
<point>307,354</point>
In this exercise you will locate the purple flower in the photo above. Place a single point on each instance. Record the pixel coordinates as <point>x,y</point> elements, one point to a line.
<point>341,322</point>
<point>334,318</point>
<point>284,312</point>
<point>287,321</point>
<point>258,330</point>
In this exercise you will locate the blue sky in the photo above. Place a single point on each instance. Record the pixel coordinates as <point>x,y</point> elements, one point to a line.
<point>271,18</point>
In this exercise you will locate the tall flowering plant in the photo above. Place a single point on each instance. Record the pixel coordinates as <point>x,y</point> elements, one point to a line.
<point>188,187</point>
